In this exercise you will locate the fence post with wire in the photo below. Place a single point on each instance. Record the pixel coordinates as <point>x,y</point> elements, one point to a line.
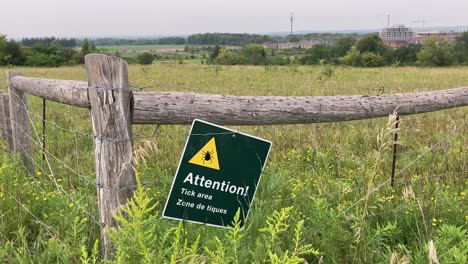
<point>111,117</point>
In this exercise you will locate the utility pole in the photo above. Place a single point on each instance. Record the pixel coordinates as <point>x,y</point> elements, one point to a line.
<point>291,19</point>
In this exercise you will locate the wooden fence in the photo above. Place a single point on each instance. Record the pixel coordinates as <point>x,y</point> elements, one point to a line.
<point>114,108</point>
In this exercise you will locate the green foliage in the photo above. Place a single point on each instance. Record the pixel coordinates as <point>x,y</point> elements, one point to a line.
<point>352,58</point>
<point>343,45</point>
<point>227,39</point>
<point>371,43</point>
<point>435,52</point>
<point>254,54</point>
<point>3,53</point>
<point>251,54</point>
<point>52,55</point>
<point>85,48</point>
<point>214,54</point>
<point>408,54</point>
<point>145,58</point>
<point>461,48</point>
<point>316,54</point>
<point>365,59</point>
<point>230,57</point>
<point>327,72</point>
<point>90,259</point>
<point>11,52</point>
<point>137,232</point>
<point>370,59</point>
<point>64,42</point>
<point>327,171</point>
<point>452,244</point>
<point>276,225</point>
<point>139,239</point>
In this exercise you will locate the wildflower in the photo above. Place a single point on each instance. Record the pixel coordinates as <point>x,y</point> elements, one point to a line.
<point>71,205</point>
<point>38,173</point>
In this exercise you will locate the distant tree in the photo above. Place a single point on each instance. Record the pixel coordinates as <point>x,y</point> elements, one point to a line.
<point>352,58</point>
<point>169,41</point>
<point>461,48</point>
<point>371,43</point>
<point>435,52</point>
<point>255,54</point>
<point>15,54</point>
<point>230,57</point>
<point>343,45</point>
<point>145,58</point>
<point>215,52</point>
<point>370,59</point>
<point>316,54</point>
<point>86,48</point>
<point>3,54</point>
<point>407,54</point>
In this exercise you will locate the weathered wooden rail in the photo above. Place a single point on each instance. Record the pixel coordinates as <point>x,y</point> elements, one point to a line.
<point>114,108</point>
<point>181,108</point>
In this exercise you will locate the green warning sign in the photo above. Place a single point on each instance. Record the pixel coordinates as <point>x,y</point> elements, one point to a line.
<point>218,174</point>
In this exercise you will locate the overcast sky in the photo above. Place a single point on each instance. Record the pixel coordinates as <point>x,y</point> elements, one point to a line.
<point>79,18</point>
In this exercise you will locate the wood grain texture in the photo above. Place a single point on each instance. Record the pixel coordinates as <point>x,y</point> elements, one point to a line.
<point>182,108</point>
<point>111,108</point>
<point>5,121</point>
<point>19,118</point>
<point>67,92</point>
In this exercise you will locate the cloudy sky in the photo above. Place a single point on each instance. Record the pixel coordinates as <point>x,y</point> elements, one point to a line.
<point>79,18</point>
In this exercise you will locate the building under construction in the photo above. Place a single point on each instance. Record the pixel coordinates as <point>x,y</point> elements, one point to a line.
<point>397,36</point>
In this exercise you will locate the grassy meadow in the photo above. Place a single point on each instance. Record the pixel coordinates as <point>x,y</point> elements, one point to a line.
<point>324,196</point>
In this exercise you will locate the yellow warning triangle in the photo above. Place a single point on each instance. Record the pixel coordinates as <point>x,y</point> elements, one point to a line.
<point>207,156</point>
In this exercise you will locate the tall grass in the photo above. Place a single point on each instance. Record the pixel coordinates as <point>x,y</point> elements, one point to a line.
<point>322,198</point>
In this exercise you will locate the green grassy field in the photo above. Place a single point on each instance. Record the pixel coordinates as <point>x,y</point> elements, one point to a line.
<point>324,195</point>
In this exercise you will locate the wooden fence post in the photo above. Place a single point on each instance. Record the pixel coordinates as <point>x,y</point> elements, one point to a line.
<point>111,116</point>
<point>22,142</point>
<point>5,121</point>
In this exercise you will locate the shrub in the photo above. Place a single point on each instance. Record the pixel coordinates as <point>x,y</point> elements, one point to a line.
<point>145,58</point>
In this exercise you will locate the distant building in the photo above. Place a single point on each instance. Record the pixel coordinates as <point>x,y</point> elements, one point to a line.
<point>400,36</point>
<point>303,44</point>
<point>288,45</point>
<point>450,36</point>
<point>397,36</point>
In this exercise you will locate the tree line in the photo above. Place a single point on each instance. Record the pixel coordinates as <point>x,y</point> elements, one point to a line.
<point>141,41</point>
<point>64,42</point>
<point>369,51</point>
<point>47,52</point>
